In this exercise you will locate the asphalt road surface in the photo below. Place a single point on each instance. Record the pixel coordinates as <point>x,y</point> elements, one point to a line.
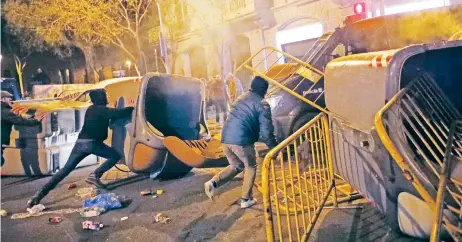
<point>194,217</point>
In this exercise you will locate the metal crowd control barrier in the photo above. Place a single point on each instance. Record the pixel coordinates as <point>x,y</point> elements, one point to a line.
<point>298,181</point>
<point>278,74</point>
<point>414,127</point>
<point>454,141</point>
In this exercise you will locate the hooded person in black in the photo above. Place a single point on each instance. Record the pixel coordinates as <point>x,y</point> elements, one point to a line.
<point>248,121</point>
<point>90,141</point>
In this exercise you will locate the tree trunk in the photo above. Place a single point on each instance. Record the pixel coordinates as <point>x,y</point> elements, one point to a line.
<point>89,63</point>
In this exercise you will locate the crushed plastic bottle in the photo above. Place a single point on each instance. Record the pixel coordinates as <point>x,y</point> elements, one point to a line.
<point>36,209</point>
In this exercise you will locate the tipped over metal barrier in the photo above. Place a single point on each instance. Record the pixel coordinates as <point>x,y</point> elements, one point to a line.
<point>415,128</point>
<point>452,156</point>
<point>298,181</point>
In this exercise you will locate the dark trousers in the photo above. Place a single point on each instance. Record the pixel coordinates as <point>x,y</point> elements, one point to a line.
<point>220,106</point>
<point>81,150</point>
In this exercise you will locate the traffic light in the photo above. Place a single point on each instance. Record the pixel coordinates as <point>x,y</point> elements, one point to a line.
<point>359,8</point>
<point>360,12</point>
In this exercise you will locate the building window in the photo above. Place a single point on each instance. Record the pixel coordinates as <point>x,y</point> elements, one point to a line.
<point>298,40</point>
<point>415,6</point>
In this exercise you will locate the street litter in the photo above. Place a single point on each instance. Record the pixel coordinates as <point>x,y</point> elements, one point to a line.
<point>59,211</point>
<point>91,212</point>
<point>71,186</point>
<point>87,192</point>
<point>123,218</point>
<point>55,220</point>
<point>146,193</point>
<point>3,213</point>
<point>160,218</point>
<point>159,192</point>
<point>104,201</point>
<point>90,225</point>
<point>36,209</point>
<point>155,196</point>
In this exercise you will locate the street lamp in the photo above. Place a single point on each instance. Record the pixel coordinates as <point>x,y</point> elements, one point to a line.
<point>163,48</point>
<point>129,65</point>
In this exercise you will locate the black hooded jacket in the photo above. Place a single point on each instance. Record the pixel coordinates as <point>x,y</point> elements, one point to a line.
<point>97,117</point>
<point>9,119</point>
<point>250,118</point>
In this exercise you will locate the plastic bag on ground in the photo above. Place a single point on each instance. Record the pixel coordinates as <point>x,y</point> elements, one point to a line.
<point>105,201</point>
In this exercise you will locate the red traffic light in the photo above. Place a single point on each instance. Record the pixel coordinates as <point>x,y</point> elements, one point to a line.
<point>359,8</point>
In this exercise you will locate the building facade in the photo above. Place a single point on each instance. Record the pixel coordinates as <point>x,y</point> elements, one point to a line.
<point>224,33</point>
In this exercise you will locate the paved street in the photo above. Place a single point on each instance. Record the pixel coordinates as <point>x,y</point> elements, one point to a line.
<point>194,217</point>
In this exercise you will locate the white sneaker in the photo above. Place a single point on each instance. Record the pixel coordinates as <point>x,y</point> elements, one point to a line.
<point>209,189</point>
<point>249,203</point>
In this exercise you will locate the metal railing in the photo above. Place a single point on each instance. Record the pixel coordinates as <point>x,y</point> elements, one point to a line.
<point>298,181</point>
<point>453,227</point>
<point>266,63</point>
<point>414,127</point>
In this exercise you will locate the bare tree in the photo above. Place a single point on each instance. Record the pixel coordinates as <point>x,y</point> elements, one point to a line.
<point>84,24</point>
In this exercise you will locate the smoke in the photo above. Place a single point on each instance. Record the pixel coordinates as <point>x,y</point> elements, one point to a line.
<point>431,26</point>
<point>397,31</point>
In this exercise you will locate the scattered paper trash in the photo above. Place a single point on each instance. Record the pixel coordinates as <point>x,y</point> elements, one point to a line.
<point>71,186</point>
<point>3,213</point>
<point>159,192</point>
<point>105,201</point>
<point>90,225</point>
<point>59,211</point>
<point>123,218</point>
<point>154,196</point>
<point>92,212</point>
<point>36,209</point>
<point>87,192</point>
<point>146,193</point>
<point>55,220</point>
<point>160,218</point>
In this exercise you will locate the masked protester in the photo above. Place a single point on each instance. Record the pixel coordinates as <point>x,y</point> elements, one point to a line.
<point>9,119</point>
<point>90,141</point>
<point>249,119</point>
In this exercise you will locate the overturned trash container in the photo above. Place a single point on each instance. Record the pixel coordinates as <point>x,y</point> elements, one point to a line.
<point>168,106</point>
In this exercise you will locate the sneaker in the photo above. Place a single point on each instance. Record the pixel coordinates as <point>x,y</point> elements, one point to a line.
<point>247,203</point>
<point>91,179</point>
<point>210,189</point>
<point>34,201</point>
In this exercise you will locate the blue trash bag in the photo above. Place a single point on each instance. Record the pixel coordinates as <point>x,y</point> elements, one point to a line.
<point>105,201</point>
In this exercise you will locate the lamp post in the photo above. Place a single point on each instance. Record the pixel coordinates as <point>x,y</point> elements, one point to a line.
<point>163,48</point>
<point>129,65</point>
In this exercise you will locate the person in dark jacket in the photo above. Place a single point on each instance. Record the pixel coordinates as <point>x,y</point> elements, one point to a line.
<point>248,120</point>
<point>90,141</point>
<point>9,119</point>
